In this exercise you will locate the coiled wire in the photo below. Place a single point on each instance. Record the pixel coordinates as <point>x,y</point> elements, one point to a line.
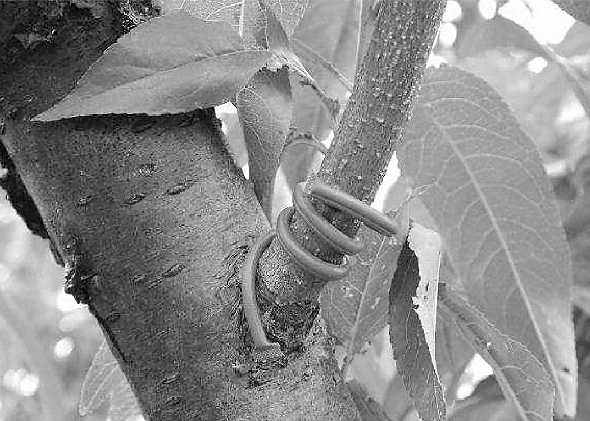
<point>313,265</point>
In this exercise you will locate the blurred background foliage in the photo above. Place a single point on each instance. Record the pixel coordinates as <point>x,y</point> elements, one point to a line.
<point>47,341</point>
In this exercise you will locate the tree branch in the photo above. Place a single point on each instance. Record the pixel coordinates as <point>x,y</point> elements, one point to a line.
<point>153,219</point>
<point>368,134</point>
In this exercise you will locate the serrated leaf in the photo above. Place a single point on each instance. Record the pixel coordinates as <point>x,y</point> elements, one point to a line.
<point>426,245</point>
<point>410,348</point>
<point>265,108</point>
<point>277,41</point>
<point>288,13</point>
<point>486,189</point>
<point>579,9</point>
<point>228,11</point>
<point>521,376</point>
<point>170,64</point>
<point>242,15</point>
<point>355,308</point>
<point>106,382</point>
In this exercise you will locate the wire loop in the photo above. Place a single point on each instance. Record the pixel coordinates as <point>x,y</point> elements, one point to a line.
<point>311,264</point>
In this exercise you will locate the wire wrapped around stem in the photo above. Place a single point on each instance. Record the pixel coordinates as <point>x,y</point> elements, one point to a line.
<point>313,265</point>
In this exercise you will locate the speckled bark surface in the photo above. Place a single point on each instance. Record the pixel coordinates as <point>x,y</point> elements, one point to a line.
<point>159,218</point>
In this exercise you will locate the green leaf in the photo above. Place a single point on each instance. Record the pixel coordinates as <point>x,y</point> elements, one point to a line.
<point>277,41</point>
<point>243,15</point>
<point>171,64</point>
<point>356,307</point>
<point>576,41</point>
<point>581,298</point>
<point>521,376</point>
<point>368,19</point>
<point>265,108</point>
<point>410,348</point>
<point>397,403</point>
<point>427,246</point>
<point>483,183</point>
<point>579,9</point>
<point>497,33</point>
<point>580,246</point>
<point>486,403</point>
<point>578,219</point>
<point>287,12</point>
<point>369,409</point>
<point>402,192</point>
<point>583,413</point>
<point>106,382</point>
<point>329,29</point>
<point>234,136</point>
<point>228,11</point>
<point>453,355</point>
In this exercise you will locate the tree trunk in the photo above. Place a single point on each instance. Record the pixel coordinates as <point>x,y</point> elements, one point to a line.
<point>153,220</point>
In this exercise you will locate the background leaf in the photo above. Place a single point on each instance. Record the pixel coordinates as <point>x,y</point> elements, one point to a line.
<point>580,246</point>
<point>576,41</point>
<point>579,9</point>
<point>288,13</point>
<point>485,403</point>
<point>265,108</point>
<point>487,191</point>
<point>426,245</point>
<point>521,376</point>
<point>106,382</point>
<point>278,42</point>
<point>368,408</point>
<point>356,307</point>
<point>242,15</point>
<point>502,33</point>
<point>410,349</point>
<point>453,355</point>
<point>170,64</point>
<point>330,29</point>
<point>496,33</point>
<point>228,11</point>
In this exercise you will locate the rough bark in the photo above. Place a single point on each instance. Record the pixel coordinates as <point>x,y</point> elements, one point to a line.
<point>153,220</point>
<point>368,134</point>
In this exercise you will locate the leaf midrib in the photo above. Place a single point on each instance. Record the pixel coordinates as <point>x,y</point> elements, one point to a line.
<point>506,250</point>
